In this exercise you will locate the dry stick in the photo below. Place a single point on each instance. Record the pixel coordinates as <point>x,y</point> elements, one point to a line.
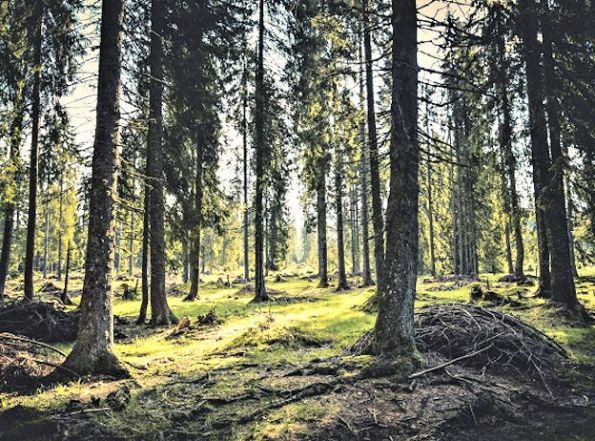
<point>33,342</point>
<point>448,363</point>
<point>57,366</point>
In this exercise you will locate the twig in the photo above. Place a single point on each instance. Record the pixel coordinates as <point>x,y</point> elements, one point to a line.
<point>33,342</point>
<point>448,363</point>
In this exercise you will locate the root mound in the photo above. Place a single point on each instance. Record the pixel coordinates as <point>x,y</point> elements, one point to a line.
<point>503,343</point>
<point>483,339</point>
<point>38,320</point>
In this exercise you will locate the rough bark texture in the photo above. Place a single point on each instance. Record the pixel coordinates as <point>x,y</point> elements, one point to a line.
<point>15,134</point>
<point>160,312</point>
<point>321,226</point>
<point>64,296</point>
<point>144,305</point>
<point>377,219</point>
<point>363,168</point>
<point>394,334</point>
<point>342,282</point>
<point>245,164</point>
<point>195,240</point>
<point>34,158</point>
<point>562,277</point>
<point>92,352</point>
<point>260,293</point>
<point>509,159</point>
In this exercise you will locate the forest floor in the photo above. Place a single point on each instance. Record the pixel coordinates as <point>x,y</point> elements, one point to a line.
<point>282,371</point>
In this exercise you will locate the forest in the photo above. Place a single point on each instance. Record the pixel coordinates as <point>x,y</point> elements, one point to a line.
<point>297,220</point>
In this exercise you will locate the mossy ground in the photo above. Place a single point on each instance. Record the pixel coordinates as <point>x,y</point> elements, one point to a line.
<point>219,381</point>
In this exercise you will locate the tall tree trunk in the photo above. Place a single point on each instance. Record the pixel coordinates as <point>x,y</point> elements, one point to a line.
<point>15,134</point>
<point>354,228</point>
<point>377,219</point>
<point>260,293</point>
<point>273,237</point>
<point>321,225</point>
<point>245,165</point>
<point>93,350</point>
<point>394,333</point>
<point>195,240</point>
<point>364,163</point>
<point>431,215</point>
<point>142,316</point>
<point>131,245</point>
<point>539,147</point>
<point>160,312</point>
<point>60,225</point>
<point>342,282</point>
<point>509,264</point>
<point>563,289</point>
<point>34,159</point>
<point>46,233</point>
<point>509,158</point>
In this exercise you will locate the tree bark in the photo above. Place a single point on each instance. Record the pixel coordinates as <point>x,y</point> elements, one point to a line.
<point>64,296</point>
<point>195,240</point>
<point>260,293</point>
<point>321,225</point>
<point>245,164</point>
<point>60,226</point>
<point>363,167</point>
<point>142,316</point>
<point>342,282</point>
<point>34,158</point>
<point>160,311</point>
<point>377,219</point>
<point>93,350</point>
<point>562,277</point>
<point>15,134</point>
<point>394,333</point>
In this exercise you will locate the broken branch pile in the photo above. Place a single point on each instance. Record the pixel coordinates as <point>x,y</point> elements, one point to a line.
<point>38,320</point>
<point>501,342</point>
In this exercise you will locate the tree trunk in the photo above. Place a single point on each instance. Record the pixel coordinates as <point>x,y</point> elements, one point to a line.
<point>563,289</point>
<point>160,312</point>
<point>342,282</point>
<point>321,226</point>
<point>394,333</point>
<point>34,159</point>
<point>46,234</point>
<point>260,293</point>
<point>245,164</point>
<point>131,245</point>
<point>509,264</point>
<point>15,134</point>
<point>60,226</point>
<point>363,168</point>
<point>377,219</point>
<point>64,296</point>
<point>142,316</point>
<point>93,350</point>
<point>509,158</point>
<point>354,228</point>
<point>195,240</point>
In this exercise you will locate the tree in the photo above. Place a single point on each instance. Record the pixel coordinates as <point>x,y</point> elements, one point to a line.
<point>260,293</point>
<point>93,350</point>
<point>393,332</point>
<point>161,314</point>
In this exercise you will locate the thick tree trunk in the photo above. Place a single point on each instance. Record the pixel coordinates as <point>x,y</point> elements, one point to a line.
<point>34,158</point>
<point>562,277</point>
<point>509,264</point>
<point>394,333</point>
<point>46,233</point>
<point>15,134</point>
<point>377,219</point>
<point>363,168</point>
<point>195,240</point>
<point>260,293</point>
<point>160,312</point>
<point>92,352</point>
<point>342,282</point>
